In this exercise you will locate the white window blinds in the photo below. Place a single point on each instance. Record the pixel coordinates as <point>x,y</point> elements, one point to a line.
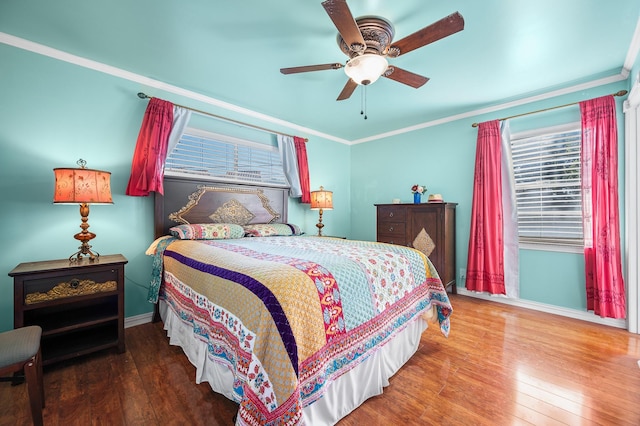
<point>225,158</point>
<point>547,183</point>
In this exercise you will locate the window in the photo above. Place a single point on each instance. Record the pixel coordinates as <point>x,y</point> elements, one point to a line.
<point>224,158</point>
<point>546,166</point>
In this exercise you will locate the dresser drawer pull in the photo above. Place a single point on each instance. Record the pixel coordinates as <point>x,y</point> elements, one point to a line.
<point>391,229</point>
<point>391,214</point>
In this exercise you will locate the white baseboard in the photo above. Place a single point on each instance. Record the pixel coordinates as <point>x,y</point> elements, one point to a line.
<point>551,309</point>
<point>138,320</point>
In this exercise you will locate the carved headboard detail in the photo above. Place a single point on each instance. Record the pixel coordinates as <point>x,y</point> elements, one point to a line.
<point>192,201</point>
<point>232,211</point>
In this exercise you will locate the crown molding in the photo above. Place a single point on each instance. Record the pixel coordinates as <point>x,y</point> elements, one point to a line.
<point>41,49</point>
<point>21,43</point>
<point>481,111</point>
<point>634,48</point>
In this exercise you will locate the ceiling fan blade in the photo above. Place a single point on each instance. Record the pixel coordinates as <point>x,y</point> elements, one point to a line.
<point>405,77</point>
<point>434,32</point>
<point>307,68</point>
<point>339,12</point>
<point>347,91</point>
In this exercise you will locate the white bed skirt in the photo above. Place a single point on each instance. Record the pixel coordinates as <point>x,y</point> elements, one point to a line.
<point>343,395</point>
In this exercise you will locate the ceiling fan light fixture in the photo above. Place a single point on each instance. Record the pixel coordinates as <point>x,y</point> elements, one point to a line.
<point>366,69</point>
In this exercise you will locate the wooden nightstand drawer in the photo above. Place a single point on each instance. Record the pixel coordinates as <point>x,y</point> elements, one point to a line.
<point>54,287</point>
<point>79,305</point>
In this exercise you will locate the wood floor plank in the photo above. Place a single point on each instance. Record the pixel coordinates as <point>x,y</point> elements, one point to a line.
<point>14,405</point>
<point>135,405</point>
<point>500,365</point>
<point>537,413</point>
<point>74,405</point>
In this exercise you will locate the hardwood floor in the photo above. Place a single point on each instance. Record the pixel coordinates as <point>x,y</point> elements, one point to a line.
<point>501,365</point>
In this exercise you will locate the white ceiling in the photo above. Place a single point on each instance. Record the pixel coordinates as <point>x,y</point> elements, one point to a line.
<point>232,51</point>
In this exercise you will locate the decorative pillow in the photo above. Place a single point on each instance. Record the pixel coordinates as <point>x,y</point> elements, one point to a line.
<point>207,231</point>
<point>271,229</point>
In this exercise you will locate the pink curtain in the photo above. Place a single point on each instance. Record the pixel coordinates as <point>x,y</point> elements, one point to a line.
<point>485,264</point>
<point>603,266</point>
<point>147,166</point>
<point>303,169</point>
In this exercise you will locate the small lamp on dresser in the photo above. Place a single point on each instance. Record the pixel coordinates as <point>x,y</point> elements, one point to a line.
<point>82,186</point>
<point>321,200</point>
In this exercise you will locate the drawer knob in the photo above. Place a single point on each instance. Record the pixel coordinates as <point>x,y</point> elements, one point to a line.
<point>391,229</point>
<point>391,214</point>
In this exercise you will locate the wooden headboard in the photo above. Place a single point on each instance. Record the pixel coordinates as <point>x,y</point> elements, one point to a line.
<point>197,201</point>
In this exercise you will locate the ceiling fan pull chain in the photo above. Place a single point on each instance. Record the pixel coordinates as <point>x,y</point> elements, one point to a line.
<point>363,102</point>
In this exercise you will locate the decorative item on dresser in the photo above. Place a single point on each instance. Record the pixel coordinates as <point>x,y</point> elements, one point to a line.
<point>417,191</point>
<point>429,227</point>
<point>79,304</point>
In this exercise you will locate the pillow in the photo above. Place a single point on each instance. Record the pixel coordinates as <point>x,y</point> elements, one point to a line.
<point>154,245</point>
<point>271,229</point>
<point>207,231</point>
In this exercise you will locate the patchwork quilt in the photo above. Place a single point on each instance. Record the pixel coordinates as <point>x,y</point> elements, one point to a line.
<point>288,315</point>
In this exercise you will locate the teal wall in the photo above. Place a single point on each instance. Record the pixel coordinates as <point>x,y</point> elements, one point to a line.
<point>54,113</point>
<point>443,157</point>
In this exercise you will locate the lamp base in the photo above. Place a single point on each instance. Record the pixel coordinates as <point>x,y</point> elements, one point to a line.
<point>84,250</point>
<point>84,236</point>
<point>320,225</point>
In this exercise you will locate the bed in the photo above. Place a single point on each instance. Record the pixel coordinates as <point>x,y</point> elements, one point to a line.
<point>295,328</point>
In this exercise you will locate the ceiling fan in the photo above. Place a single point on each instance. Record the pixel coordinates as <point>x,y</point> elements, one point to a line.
<point>368,42</point>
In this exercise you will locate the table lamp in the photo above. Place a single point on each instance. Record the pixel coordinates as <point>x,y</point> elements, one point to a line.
<point>321,200</point>
<point>82,186</point>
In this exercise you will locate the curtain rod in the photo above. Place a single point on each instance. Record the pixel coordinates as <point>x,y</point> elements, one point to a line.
<point>142,95</point>
<point>620,93</point>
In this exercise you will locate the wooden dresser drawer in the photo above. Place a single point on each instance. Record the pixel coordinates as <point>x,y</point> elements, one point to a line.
<point>392,228</point>
<point>391,214</point>
<point>392,239</point>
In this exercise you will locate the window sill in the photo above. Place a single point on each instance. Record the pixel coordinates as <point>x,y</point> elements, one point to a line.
<point>551,247</point>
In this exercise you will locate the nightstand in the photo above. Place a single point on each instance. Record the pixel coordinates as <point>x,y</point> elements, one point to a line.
<point>79,305</point>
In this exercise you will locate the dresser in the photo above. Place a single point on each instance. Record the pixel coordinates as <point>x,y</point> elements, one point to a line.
<point>429,227</point>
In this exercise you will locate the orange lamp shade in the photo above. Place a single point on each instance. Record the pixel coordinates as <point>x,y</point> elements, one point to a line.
<point>321,199</point>
<point>82,186</point>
